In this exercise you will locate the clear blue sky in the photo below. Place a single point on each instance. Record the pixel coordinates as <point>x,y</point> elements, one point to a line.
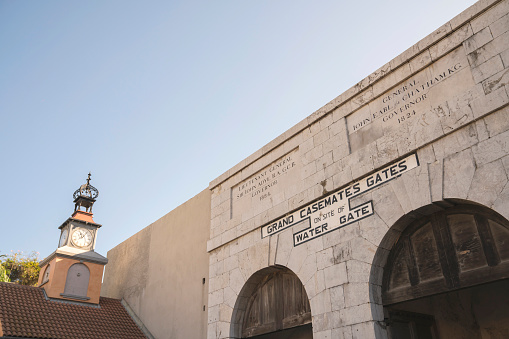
<point>158,98</point>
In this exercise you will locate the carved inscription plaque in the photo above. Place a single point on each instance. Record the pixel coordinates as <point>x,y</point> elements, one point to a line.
<point>334,211</point>
<point>266,188</point>
<point>428,90</point>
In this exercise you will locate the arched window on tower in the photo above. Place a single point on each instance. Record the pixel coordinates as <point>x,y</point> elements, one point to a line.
<point>76,284</point>
<point>47,271</point>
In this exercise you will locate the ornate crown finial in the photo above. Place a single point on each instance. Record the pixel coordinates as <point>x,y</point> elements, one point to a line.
<point>86,190</point>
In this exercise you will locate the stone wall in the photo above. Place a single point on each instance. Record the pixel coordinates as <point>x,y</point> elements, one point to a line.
<point>444,100</point>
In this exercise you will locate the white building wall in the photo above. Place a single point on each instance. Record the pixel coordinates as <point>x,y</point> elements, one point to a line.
<point>457,125</point>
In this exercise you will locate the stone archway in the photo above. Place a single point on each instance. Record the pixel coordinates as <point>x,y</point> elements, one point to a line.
<point>445,265</point>
<point>272,304</point>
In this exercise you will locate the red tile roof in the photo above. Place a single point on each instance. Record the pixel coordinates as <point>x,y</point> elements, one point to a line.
<point>25,312</point>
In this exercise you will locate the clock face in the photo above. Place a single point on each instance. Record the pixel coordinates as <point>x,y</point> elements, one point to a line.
<point>82,237</point>
<point>63,237</point>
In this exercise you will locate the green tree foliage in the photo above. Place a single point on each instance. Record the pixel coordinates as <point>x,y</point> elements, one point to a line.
<point>3,272</point>
<point>20,269</point>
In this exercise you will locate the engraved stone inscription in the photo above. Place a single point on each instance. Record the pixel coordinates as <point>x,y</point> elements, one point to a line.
<point>334,211</point>
<point>267,187</point>
<point>427,90</point>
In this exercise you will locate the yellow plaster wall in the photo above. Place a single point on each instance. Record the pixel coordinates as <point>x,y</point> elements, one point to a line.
<point>159,271</point>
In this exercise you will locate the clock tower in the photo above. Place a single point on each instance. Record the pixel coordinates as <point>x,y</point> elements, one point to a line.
<point>74,271</point>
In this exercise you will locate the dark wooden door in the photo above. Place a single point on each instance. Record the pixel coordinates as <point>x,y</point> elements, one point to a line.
<point>409,325</point>
<point>279,302</point>
<point>455,248</point>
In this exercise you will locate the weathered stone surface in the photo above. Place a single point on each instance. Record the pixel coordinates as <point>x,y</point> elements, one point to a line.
<point>418,186</point>
<point>323,335</point>
<point>308,268</point>
<point>483,54</point>
<point>490,16</point>
<point>436,178</point>
<point>342,235</point>
<point>213,314</point>
<point>355,314</point>
<point>487,69</point>
<point>237,280</point>
<point>420,61</point>
<point>306,145</point>
<point>219,282</point>
<point>478,40</point>
<point>321,303</point>
<point>342,332</point>
<point>505,57</point>
<point>216,269</point>
<point>322,322</point>
<point>505,161</point>
<point>223,330</point>
<point>358,271</point>
<point>387,151</point>
<point>337,298</point>
<point>386,204</point>
<point>212,331</point>
<point>492,101</point>
<point>458,113</point>
<point>297,257</point>
<point>364,250</point>
<point>497,122</point>
<point>316,284</point>
<point>502,201</point>
<point>487,183</point>
<point>335,275</point>
<point>254,258</point>
<point>272,250</point>
<point>496,81</point>
<point>324,258</point>
<point>459,170</point>
<point>364,331</point>
<point>356,294</point>
<point>361,162</point>
<point>230,297</point>
<point>321,136</point>
<point>225,313</point>
<point>426,155</point>
<point>482,130</point>
<point>500,26</point>
<point>491,149</point>
<point>446,45</point>
<point>215,298</point>
<point>373,229</point>
<point>284,247</point>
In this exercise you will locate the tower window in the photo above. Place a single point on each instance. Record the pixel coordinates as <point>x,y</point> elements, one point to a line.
<point>45,277</point>
<point>76,283</point>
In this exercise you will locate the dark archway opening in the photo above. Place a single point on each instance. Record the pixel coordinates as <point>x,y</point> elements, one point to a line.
<point>447,276</point>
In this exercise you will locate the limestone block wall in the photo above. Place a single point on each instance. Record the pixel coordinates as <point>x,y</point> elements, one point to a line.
<point>162,271</point>
<point>445,100</point>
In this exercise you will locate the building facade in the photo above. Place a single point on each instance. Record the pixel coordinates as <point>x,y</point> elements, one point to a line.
<point>384,214</point>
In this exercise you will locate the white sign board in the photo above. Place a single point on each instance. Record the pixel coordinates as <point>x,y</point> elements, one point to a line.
<point>334,211</point>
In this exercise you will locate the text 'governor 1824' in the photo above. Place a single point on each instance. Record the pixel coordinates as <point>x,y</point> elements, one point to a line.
<point>335,211</point>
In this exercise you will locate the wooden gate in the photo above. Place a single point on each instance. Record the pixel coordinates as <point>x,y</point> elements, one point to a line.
<point>279,302</point>
<point>456,248</point>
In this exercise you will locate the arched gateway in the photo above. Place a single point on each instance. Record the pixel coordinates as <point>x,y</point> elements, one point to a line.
<point>272,304</point>
<point>447,274</point>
